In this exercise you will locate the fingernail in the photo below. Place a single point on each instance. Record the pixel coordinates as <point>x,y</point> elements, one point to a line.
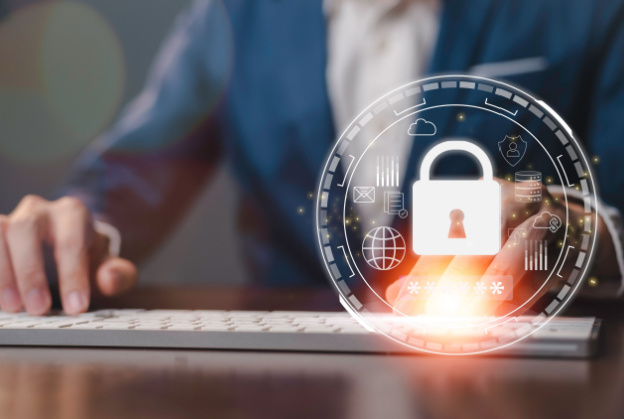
<point>37,302</point>
<point>76,302</point>
<point>11,299</point>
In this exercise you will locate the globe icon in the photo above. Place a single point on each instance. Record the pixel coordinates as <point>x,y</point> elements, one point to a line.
<point>383,248</point>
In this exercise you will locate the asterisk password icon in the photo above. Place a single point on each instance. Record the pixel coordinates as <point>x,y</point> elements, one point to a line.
<point>497,288</point>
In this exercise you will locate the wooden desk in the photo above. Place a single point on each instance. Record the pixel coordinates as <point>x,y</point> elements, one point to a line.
<point>103,383</point>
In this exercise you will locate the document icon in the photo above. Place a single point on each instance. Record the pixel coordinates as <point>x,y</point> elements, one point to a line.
<point>394,204</point>
<point>364,195</point>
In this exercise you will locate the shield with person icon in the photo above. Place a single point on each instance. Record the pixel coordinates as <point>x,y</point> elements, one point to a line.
<point>512,149</point>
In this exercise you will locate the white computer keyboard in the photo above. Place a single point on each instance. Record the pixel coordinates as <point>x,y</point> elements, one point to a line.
<point>255,330</point>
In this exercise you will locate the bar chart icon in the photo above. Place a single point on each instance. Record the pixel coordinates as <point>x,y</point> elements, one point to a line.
<point>535,255</point>
<point>388,171</point>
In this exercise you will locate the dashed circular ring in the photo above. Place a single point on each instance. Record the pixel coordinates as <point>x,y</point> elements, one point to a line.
<point>375,220</point>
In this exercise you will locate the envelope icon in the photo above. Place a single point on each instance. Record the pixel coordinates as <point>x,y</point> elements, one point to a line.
<point>364,195</point>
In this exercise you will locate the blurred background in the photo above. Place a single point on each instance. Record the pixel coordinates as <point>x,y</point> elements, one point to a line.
<point>67,68</point>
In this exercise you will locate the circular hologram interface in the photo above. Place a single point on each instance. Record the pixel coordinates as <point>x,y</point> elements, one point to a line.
<point>456,215</point>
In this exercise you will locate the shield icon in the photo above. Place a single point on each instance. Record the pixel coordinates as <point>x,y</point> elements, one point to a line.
<point>512,149</point>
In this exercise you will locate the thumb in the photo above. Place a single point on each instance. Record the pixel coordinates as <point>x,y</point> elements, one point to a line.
<point>115,276</point>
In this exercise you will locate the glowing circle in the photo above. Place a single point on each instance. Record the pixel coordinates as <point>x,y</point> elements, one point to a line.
<point>368,177</point>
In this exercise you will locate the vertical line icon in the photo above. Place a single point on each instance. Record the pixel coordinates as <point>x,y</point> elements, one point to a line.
<point>535,255</point>
<point>388,174</point>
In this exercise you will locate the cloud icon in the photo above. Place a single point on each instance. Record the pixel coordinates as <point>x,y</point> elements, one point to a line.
<point>422,128</point>
<point>548,220</point>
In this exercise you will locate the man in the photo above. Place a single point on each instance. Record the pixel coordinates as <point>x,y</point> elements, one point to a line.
<point>266,85</point>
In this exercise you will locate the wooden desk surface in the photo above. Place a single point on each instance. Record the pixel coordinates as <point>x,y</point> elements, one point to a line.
<point>108,383</point>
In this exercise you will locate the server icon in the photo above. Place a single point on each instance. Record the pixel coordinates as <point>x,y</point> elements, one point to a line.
<point>528,186</point>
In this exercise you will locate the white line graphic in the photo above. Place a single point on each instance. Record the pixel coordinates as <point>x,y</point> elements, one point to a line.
<point>424,102</point>
<point>502,109</point>
<point>564,260</point>
<point>347,172</point>
<point>564,172</point>
<point>347,260</point>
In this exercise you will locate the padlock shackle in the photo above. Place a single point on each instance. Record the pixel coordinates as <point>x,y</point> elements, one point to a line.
<point>468,147</point>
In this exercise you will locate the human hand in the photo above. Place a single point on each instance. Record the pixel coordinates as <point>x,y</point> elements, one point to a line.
<point>509,262</point>
<point>81,255</point>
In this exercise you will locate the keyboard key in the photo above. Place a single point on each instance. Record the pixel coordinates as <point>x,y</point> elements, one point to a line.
<point>52,325</point>
<point>246,328</point>
<point>353,330</point>
<point>285,329</point>
<point>84,327</point>
<point>113,326</point>
<point>320,330</point>
<point>19,325</point>
<point>216,328</point>
<point>182,327</point>
<point>149,327</point>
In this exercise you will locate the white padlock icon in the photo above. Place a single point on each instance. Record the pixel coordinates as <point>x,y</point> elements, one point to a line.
<point>456,217</point>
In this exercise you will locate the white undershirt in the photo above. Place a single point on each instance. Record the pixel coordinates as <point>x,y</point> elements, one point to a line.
<point>375,46</point>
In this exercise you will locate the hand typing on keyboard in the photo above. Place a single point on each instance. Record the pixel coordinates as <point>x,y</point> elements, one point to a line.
<point>81,255</point>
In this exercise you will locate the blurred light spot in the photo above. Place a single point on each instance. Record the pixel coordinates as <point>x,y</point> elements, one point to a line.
<point>62,79</point>
<point>83,67</point>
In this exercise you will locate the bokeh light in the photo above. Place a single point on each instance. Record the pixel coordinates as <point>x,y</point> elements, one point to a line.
<point>62,79</point>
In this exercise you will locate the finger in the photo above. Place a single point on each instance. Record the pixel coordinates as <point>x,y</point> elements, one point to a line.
<point>467,266</point>
<point>115,276</point>
<point>448,297</point>
<point>72,234</point>
<point>425,266</point>
<point>510,261</point>
<point>427,269</point>
<point>28,227</point>
<point>430,266</point>
<point>10,300</point>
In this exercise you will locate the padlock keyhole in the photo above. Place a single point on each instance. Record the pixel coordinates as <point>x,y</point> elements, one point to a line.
<point>457,225</point>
